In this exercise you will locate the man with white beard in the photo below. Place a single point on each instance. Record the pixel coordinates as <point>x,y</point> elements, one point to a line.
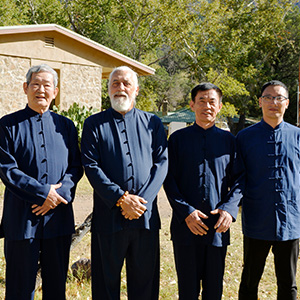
<point>124,152</point>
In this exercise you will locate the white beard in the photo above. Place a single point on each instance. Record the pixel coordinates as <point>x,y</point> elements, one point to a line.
<point>120,104</point>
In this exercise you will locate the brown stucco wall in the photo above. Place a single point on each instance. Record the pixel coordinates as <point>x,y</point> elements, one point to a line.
<point>78,83</point>
<point>12,76</point>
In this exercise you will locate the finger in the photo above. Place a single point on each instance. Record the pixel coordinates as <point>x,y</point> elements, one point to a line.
<point>222,229</point>
<point>57,186</point>
<point>64,201</point>
<point>34,205</point>
<point>202,215</point>
<point>142,200</point>
<point>35,210</point>
<point>38,212</point>
<point>203,225</point>
<point>224,226</point>
<point>60,199</point>
<point>219,222</point>
<point>199,230</point>
<point>45,211</point>
<point>139,211</point>
<point>214,212</point>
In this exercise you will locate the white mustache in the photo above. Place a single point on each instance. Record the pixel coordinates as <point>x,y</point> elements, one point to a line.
<point>120,94</point>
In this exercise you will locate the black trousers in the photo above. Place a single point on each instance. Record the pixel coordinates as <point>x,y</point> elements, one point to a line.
<point>22,258</point>
<point>200,263</point>
<point>285,260</point>
<point>140,249</point>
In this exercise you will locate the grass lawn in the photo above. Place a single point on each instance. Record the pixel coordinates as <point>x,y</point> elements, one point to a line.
<point>168,287</point>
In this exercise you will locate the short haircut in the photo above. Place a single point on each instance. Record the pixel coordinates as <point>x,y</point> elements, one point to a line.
<point>42,68</point>
<point>124,68</point>
<point>273,83</point>
<point>204,86</point>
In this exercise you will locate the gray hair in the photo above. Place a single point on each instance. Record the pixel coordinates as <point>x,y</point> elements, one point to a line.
<point>42,68</point>
<point>124,68</point>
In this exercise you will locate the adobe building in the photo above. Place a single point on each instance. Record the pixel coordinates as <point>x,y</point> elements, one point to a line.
<point>80,63</point>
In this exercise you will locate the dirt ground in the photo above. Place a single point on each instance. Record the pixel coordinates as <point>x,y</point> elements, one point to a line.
<point>83,206</point>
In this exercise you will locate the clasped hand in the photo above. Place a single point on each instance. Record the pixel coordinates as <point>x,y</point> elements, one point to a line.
<point>133,207</point>
<point>198,227</point>
<point>53,199</point>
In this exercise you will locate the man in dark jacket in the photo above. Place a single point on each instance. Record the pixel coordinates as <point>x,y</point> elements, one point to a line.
<point>40,167</point>
<point>124,152</point>
<point>199,178</point>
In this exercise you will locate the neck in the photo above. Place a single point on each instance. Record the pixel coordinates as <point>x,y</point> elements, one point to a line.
<point>205,125</point>
<point>39,110</point>
<point>273,122</point>
<point>123,113</point>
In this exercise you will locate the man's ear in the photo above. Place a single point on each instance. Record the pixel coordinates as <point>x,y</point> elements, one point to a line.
<point>192,103</point>
<point>25,87</point>
<point>56,92</point>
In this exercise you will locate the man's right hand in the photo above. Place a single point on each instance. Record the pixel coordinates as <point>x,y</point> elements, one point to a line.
<point>195,224</point>
<point>132,207</point>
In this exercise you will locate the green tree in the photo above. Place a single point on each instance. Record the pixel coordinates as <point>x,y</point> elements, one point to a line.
<point>25,12</point>
<point>241,38</point>
<point>9,13</point>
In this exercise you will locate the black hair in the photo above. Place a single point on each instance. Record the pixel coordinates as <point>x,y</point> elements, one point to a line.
<point>204,86</point>
<point>273,83</point>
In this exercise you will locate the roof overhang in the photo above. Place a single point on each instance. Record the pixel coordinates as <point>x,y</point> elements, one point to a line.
<point>117,58</point>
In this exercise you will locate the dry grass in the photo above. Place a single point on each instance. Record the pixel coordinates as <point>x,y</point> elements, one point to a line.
<point>168,286</point>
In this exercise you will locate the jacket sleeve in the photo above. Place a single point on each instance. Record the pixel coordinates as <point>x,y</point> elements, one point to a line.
<point>16,181</point>
<point>180,207</point>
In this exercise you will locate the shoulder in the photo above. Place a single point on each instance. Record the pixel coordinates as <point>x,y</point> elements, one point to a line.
<point>59,119</point>
<point>253,129</point>
<point>13,118</point>
<point>224,133</point>
<point>182,133</point>
<point>291,127</point>
<point>99,117</point>
<point>147,115</point>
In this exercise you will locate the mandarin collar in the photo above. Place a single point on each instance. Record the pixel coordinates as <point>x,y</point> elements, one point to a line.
<point>35,114</point>
<point>199,128</point>
<point>269,127</point>
<point>118,115</point>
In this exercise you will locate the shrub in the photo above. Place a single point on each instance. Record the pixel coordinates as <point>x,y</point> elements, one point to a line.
<point>77,114</point>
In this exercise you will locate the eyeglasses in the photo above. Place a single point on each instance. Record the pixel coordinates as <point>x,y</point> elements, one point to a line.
<point>272,99</point>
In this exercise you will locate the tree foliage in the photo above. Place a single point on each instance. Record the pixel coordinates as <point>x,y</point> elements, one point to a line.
<point>236,44</point>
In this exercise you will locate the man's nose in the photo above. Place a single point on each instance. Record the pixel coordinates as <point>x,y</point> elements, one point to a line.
<point>121,86</point>
<point>41,88</point>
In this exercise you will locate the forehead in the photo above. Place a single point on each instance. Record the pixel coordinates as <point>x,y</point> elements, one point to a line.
<point>276,90</point>
<point>209,94</point>
<point>43,76</point>
<point>122,76</point>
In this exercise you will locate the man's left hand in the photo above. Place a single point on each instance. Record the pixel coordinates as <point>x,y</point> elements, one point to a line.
<point>224,220</point>
<point>53,199</point>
